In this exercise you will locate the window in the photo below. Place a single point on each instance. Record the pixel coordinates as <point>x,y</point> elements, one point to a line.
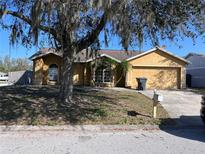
<point>53,72</point>
<point>103,74</point>
<point>107,75</point>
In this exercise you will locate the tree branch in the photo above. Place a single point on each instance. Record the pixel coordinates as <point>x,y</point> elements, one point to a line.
<point>28,21</point>
<point>92,36</point>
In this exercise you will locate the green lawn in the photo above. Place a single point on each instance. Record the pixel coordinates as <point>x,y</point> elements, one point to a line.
<point>41,106</point>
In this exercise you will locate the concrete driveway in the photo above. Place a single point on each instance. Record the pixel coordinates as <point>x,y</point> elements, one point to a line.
<point>183,106</point>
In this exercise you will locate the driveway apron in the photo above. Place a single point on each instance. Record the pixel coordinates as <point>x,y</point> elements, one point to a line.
<point>182,106</point>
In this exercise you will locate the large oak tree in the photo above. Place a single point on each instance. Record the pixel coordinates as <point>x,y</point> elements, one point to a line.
<point>73,25</point>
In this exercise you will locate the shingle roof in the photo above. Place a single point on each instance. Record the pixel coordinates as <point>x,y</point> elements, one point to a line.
<point>85,55</point>
<point>196,60</point>
<point>45,51</point>
<point>120,54</point>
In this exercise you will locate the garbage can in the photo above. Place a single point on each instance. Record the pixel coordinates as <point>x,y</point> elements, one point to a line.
<point>141,83</point>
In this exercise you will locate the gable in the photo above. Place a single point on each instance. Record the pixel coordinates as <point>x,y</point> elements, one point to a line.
<point>157,58</point>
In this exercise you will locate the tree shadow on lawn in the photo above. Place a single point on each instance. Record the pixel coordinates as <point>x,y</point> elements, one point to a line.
<point>134,114</point>
<point>41,105</point>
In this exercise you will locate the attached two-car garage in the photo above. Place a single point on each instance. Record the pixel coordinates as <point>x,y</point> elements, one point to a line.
<point>162,70</point>
<point>158,77</point>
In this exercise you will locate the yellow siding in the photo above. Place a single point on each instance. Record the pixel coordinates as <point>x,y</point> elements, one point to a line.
<point>38,71</point>
<point>81,71</point>
<point>87,74</point>
<point>48,60</point>
<point>157,58</point>
<point>78,74</point>
<point>162,70</point>
<point>81,75</point>
<point>183,77</point>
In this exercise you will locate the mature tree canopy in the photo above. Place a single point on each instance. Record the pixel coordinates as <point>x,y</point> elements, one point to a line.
<point>132,20</point>
<point>73,25</point>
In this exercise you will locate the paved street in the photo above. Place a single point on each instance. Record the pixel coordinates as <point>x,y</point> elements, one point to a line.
<point>183,106</point>
<point>65,142</point>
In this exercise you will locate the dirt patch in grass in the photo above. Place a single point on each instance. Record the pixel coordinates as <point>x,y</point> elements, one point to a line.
<point>41,106</point>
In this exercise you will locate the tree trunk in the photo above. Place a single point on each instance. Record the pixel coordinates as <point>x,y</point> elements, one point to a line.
<point>66,89</point>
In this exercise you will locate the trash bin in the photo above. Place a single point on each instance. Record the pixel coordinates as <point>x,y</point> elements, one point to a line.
<point>141,83</point>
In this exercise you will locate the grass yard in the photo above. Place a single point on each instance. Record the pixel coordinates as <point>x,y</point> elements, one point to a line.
<point>41,106</point>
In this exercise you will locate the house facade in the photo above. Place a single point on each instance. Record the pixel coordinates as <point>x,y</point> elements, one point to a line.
<point>162,69</point>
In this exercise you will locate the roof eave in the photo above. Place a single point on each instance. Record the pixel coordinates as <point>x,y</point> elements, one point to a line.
<point>108,56</point>
<point>104,55</point>
<point>42,55</point>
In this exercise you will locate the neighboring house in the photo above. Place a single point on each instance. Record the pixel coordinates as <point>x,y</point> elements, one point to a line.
<point>162,69</point>
<point>20,77</point>
<point>16,78</point>
<point>196,70</point>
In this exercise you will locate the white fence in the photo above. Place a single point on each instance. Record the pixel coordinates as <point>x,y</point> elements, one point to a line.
<point>4,78</point>
<point>5,84</point>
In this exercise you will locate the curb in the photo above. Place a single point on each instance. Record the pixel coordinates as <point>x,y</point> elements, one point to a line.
<point>95,128</point>
<point>79,128</point>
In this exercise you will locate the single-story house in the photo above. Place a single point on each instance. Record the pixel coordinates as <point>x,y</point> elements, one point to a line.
<point>162,69</point>
<point>195,70</point>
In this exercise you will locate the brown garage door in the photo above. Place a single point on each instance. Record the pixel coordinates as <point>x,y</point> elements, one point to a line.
<point>158,77</point>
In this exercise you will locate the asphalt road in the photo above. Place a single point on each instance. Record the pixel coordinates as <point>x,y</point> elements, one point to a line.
<point>189,141</point>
